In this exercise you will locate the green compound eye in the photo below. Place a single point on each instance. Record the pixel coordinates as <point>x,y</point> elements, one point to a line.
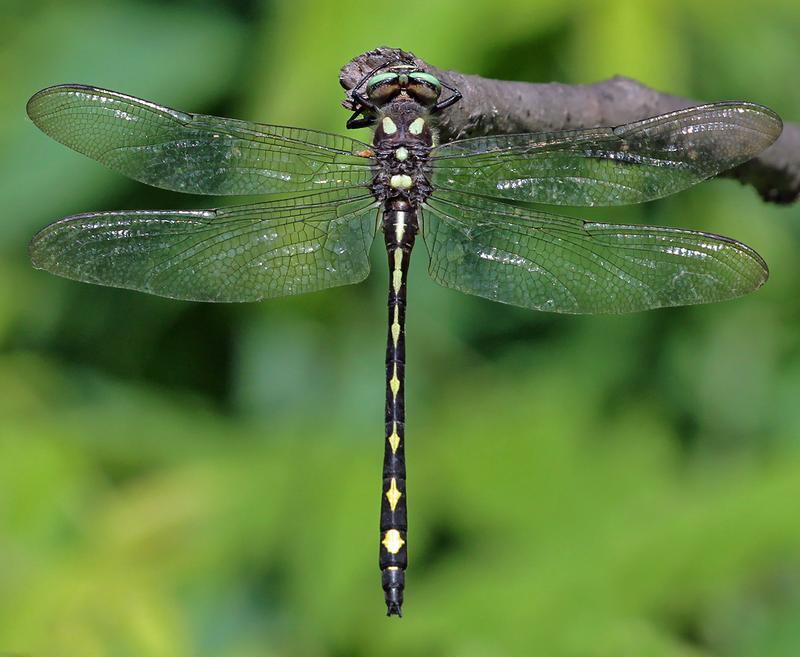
<point>375,80</point>
<point>426,77</point>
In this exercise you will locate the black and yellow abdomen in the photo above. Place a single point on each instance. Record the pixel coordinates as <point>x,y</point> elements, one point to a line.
<point>400,227</point>
<point>402,144</point>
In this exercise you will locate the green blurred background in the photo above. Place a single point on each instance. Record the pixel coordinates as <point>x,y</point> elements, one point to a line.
<point>181,479</point>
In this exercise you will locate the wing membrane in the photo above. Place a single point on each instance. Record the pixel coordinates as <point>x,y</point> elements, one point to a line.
<point>195,153</point>
<point>632,163</point>
<point>241,253</point>
<point>547,262</point>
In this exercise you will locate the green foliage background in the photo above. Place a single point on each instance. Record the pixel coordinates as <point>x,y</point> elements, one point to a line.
<point>180,479</point>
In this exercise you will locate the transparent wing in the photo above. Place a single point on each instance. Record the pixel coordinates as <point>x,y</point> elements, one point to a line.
<point>609,166</point>
<point>560,264</point>
<point>195,153</point>
<point>241,253</point>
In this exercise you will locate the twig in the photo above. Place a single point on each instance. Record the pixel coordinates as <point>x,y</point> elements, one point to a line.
<point>500,107</point>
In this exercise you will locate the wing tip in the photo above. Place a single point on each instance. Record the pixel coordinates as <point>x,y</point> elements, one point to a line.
<point>763,267</point>
<point>772,126</point>
<point>743,248</point>
<point>753,277</point>
<point>30,106</point>
<point>40,259</point>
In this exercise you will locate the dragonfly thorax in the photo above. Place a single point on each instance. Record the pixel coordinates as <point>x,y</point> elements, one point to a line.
<point>404,122</point>
<point>402,143</point>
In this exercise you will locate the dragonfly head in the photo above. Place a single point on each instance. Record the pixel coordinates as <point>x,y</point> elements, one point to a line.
<point>404,80</point>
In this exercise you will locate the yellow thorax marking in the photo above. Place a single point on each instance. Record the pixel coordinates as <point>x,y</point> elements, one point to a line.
<point>401,181</point>
<point>393,494</point>
<point>388,126</point>
<point>394,438</point>
<point>392,541</point>
<point>416,126</point>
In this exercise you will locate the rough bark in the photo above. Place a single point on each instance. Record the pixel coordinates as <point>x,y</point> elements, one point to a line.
<point>500,107</point>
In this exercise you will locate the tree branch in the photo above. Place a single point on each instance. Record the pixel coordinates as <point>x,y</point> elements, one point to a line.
<point>500,107</point>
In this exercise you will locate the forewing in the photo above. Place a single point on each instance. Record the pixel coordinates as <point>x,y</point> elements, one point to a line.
<point>632,163</point>
<point>195,153</point>
<point>241,253</point>
<point>547,262</point>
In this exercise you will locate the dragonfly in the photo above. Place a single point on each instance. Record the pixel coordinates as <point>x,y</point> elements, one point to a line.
<point>475,203</point>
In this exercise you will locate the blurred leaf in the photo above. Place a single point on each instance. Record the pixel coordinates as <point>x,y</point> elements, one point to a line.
<point>625,37</point>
